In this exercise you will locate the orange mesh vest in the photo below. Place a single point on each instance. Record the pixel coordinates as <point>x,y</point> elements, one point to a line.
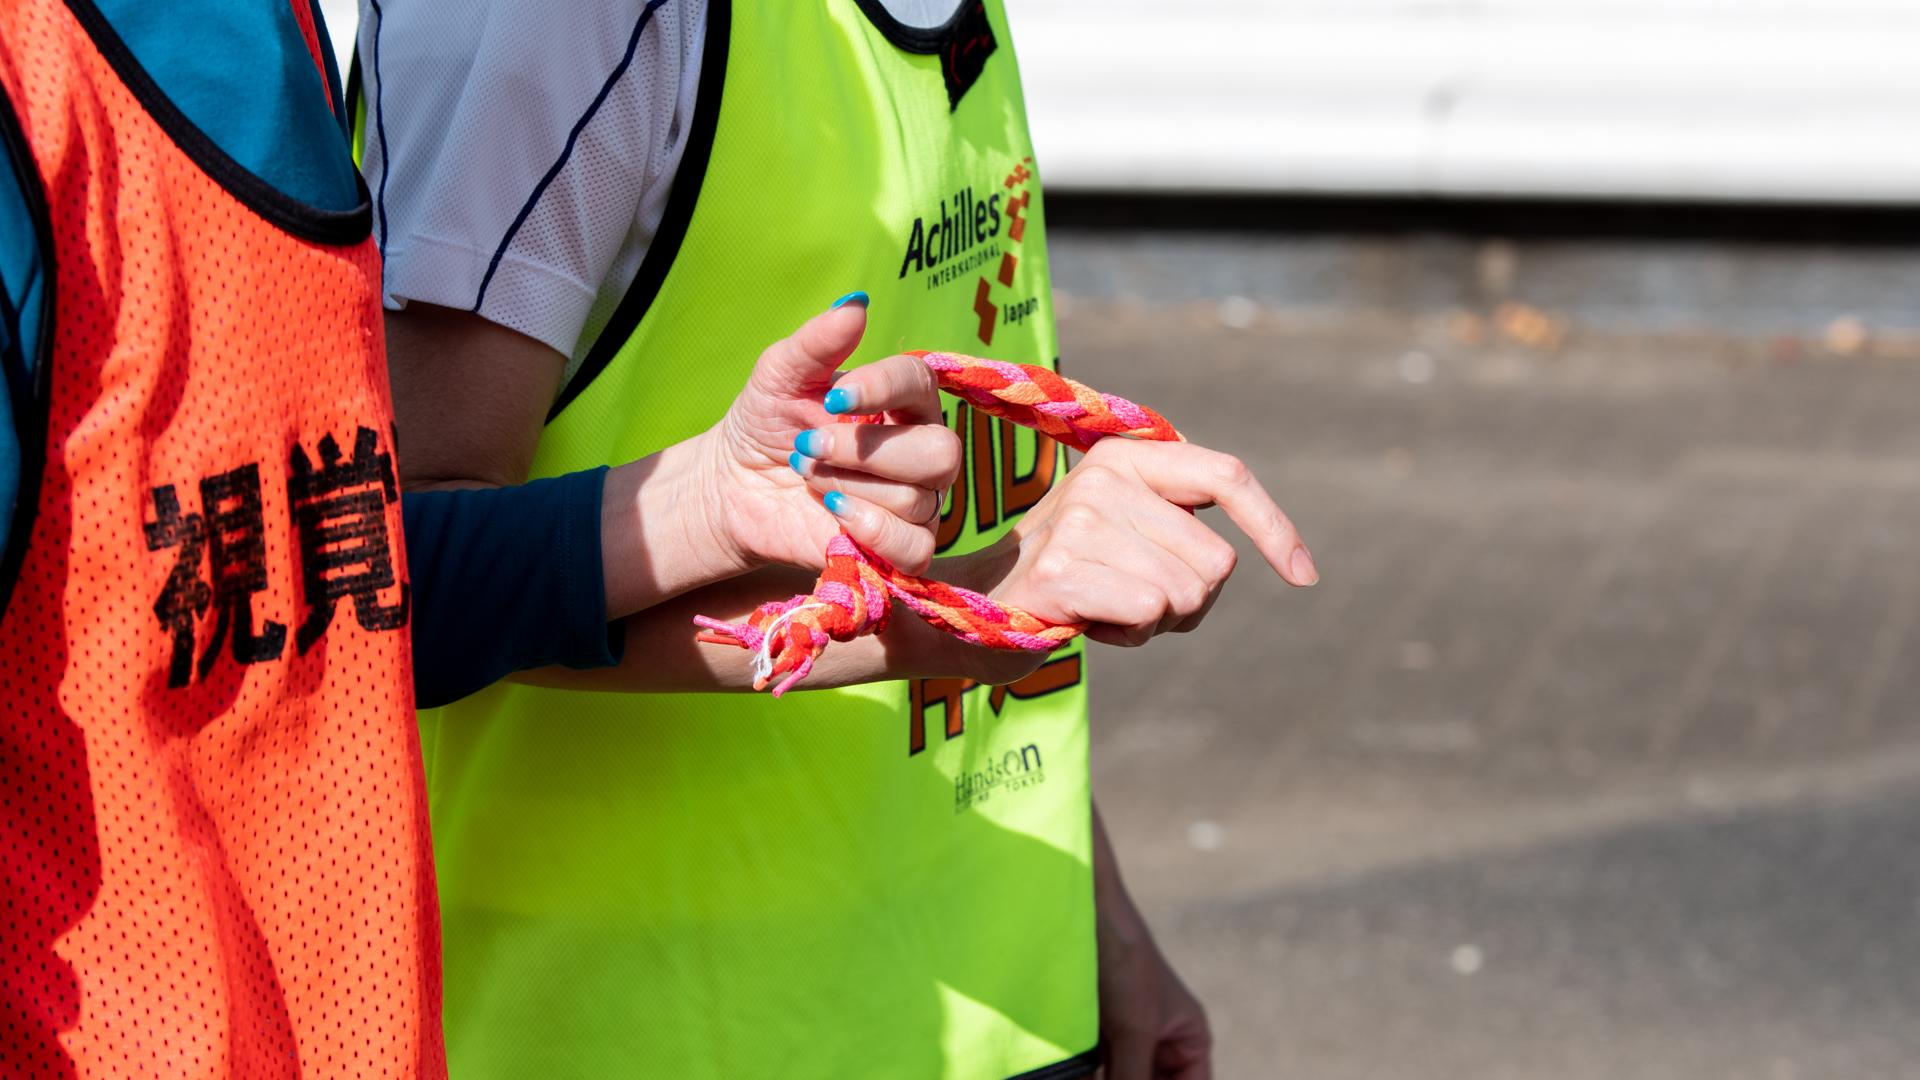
<point>213,830</point>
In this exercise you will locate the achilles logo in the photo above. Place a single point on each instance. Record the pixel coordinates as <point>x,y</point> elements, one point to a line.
<point>963,238</point>
<point>960,224</point>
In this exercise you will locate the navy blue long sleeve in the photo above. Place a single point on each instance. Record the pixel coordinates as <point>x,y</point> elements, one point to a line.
<point>506,579</point>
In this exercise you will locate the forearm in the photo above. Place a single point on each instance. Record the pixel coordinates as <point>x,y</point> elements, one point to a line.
<point>502,579</point>
<point>1118,922</point>
<point>1150,1024</point>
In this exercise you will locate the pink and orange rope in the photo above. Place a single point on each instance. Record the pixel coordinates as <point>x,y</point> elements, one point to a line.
<point>854,594</point>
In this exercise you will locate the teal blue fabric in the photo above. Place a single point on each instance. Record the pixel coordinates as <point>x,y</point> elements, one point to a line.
<point>22,287</point>
<point>261,100</point>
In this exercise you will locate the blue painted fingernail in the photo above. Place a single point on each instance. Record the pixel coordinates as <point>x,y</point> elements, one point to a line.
<point>837,504</point>
<point>855,297</point>
<point>843,399</point>
<point>813,442</point>
<point>799,461</point>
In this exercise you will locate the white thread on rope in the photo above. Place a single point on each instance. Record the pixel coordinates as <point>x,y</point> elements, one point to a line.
<point>763,658</point>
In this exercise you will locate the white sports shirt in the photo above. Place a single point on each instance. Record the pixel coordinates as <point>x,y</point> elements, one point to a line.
<point>520,152</point>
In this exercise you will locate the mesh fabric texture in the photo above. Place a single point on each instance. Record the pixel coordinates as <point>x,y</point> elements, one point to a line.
<point>219,868</point>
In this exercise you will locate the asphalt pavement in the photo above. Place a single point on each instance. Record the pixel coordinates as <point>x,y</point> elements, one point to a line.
<point>1596,751</point>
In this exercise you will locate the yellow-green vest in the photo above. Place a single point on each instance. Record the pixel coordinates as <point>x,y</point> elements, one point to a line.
<point>891,881</point>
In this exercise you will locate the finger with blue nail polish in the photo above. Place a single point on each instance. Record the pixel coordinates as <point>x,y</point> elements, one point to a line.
<point>923,454</point>
<point>907,501</point>
<point>879,530</point>
<point>843,399</point>
<point>902,388</point>
<point>814,442</point>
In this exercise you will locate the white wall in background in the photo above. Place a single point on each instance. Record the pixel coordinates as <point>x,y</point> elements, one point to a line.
<point>1721,99</point>
<point>343,20</point>
<point>1718,99</point>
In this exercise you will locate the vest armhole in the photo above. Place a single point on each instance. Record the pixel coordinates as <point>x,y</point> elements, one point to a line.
<point>30,414</point>
<point>924,40</point>
<point>688,179</point>
<point>334,227</point>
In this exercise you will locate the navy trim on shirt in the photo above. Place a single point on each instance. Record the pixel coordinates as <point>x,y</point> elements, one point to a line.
<point>566,152</point>
<point>688,180</point>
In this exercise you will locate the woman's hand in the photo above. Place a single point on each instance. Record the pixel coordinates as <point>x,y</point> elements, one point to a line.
<point>787,475</point>
<point>1111,543</point>
<point>779,475</point>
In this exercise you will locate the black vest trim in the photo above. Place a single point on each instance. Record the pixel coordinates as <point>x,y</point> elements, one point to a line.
<point>963,43</point>
<point>342,227</point>
<point>31,400</point>
<point>1071,1069</point>
<point>674,220</point>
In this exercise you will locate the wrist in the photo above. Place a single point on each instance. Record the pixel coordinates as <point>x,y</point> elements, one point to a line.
<point>661,533</point>
<point>914,649</point>
<point>979,571</point>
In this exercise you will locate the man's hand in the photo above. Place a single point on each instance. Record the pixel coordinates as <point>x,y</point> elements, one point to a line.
<point>1112,544</point>
<point>1151,1026</point>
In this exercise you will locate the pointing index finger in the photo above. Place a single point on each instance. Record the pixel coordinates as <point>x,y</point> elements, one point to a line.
<point>1195,476</point>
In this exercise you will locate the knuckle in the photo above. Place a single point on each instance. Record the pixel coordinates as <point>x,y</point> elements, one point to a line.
<point>1054,566</point>
<point>1193,596</point>
<point>899,386</point>
<point>869,520</point>
<point>907,381</point>
<point>1220,559</point>
<point>1095,478</point>
<point>917,552</point>
<point>1077,517</point>
<point>1228,471</point>
<point>924,380</point>
<point>945,455</point>
<point>1142,607</point>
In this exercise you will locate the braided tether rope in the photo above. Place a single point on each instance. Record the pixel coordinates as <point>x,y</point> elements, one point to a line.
<point>852,596</point>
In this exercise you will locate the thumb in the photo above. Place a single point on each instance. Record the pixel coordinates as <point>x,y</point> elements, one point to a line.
<point>802,364</point>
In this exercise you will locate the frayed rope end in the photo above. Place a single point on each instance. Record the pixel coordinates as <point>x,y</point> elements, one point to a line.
<point>795,658</point>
